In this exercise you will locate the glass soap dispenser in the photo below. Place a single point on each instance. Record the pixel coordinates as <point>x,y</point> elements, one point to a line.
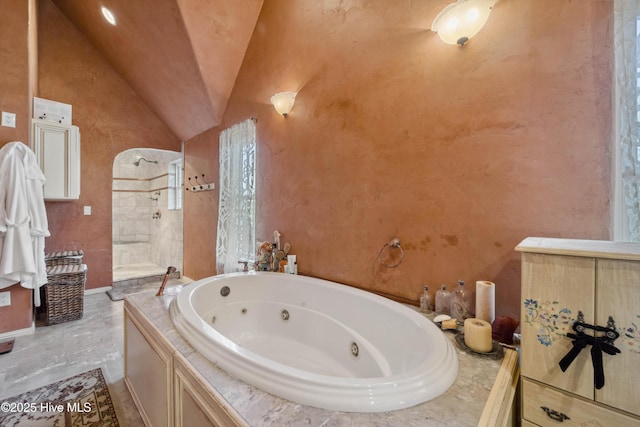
<point>426,305</point>
<point>443,301</point>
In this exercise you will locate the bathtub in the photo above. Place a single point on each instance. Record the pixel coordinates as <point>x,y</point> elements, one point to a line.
<point>316,342</point>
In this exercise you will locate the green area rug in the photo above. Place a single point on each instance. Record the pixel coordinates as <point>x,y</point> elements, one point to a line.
<point>78,401</point>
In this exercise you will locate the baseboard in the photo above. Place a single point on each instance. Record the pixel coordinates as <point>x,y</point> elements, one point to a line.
<point>96,290</point>
<point>18,332</point>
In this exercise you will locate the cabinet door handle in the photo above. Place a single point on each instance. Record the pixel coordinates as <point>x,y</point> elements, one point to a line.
<point>555,415</point>
<point>598,343</point>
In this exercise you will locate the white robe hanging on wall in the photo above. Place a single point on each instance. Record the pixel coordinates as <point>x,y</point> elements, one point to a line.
<point>23,219</point>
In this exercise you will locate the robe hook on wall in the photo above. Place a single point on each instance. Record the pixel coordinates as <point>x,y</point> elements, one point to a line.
<point>199,186</point>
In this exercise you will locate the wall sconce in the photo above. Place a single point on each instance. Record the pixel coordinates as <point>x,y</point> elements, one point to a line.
<point>283,102</point>
<point>460,21</point>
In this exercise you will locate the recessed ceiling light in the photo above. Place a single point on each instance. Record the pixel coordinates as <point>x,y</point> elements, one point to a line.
<point>108,16</point>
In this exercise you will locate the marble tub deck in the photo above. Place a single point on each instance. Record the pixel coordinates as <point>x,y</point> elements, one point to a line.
<point>461,405</point>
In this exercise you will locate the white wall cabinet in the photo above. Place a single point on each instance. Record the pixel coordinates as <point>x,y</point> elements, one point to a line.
<point>561,278</point>
<point>57,148</point>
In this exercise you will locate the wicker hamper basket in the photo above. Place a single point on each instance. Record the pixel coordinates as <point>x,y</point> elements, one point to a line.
<point>63,258</point>
<point>63,295</point>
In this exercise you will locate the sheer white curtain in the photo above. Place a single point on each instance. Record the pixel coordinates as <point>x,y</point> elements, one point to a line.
<point>626,112</point>
<point>236,212</point>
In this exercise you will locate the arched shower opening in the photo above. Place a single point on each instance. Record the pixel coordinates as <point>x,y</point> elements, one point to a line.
<point>147,199</point>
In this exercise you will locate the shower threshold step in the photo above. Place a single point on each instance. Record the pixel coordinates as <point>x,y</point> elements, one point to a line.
<point>143,280</point>
<point>132,285</point>
<point>137,270</point>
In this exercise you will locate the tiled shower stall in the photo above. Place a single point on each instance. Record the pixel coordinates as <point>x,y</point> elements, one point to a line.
<point>147,213</point>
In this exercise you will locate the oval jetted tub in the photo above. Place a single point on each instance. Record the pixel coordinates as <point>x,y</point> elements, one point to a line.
<point>316,342</point>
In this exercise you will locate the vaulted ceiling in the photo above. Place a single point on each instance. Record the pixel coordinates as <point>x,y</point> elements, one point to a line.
<point>181,56</point>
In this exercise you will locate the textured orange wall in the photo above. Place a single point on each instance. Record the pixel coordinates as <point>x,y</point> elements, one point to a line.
<point>15,87</point>
<point>18,315</point>
<point>111,118</point>
<point>201,208</point>
<point>459,152</point>
<point>14,68</point>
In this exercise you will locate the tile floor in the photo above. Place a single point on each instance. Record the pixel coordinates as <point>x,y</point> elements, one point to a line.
<point>55,352</point>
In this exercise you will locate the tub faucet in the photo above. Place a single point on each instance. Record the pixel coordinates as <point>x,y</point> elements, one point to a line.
<point>274,262</point>
<point>246,265</point>
<point>170,270</point>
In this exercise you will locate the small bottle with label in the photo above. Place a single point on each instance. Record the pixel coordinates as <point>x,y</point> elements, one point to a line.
<point>443,301</point>
<point>426,306</point>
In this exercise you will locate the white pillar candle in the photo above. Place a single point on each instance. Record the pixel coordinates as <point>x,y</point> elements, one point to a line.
<point>477,335</point>
<point>486,301</point>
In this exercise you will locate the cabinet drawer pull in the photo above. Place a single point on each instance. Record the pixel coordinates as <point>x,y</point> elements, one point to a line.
<point>555,415</point>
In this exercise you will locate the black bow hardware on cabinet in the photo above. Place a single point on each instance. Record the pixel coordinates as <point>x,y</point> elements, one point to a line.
<point>599,344</point>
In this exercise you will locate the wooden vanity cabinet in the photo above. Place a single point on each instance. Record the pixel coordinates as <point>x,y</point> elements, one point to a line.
<point>165,388</point>
<point>199,405</point>
<point>148,366</point>
<point>561,277</point>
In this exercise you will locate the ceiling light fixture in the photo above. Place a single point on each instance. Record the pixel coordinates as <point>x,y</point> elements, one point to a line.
<point>460,21</point>
<point>108,16</point>
<point>283,102</point>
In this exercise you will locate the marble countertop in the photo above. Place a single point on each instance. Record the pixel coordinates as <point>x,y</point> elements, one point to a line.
<point>461,405</point>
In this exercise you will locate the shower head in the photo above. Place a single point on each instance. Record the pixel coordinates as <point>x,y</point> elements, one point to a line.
<point>137,162</point>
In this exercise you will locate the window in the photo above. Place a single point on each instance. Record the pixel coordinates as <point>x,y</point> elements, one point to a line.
<point>175,184</point>
<point>237,205</point>
<point>626,217</point>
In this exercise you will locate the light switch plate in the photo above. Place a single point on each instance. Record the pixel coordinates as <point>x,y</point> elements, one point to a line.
<point>87,210</point>
<point>8,119</point>
<point>5,298</point>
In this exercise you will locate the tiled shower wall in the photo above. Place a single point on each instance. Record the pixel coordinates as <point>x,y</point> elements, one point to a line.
<point>137,236</point>
<point>165,234</point>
